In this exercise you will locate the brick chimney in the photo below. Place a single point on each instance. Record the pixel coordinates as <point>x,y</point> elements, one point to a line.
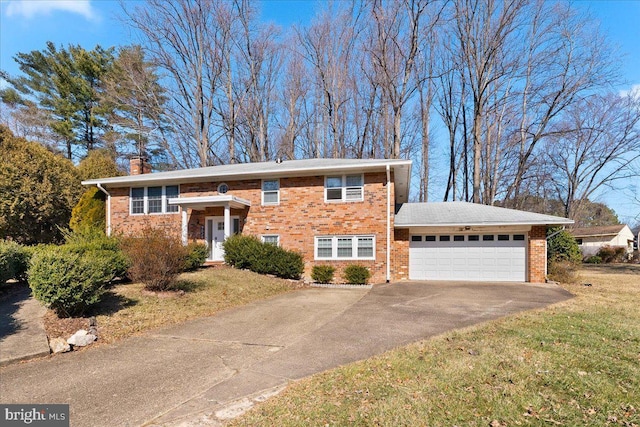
<point>139,166</point>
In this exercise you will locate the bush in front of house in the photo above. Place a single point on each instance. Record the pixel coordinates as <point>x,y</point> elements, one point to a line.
<point>196,256</point>
<point>322,273</point>
<point>563,247</point>
<point>156,258</point>
<point>101,246</point>
<point>248,252</point>
<point>14,261</point>
<point>593,259</point>
<point>610,254</point>
<point>285,264</point>
<point>356,274</point>
<point>69,282</point>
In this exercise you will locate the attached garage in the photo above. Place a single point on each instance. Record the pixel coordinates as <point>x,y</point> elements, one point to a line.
<point>472,242</point>
<point>480,257</point>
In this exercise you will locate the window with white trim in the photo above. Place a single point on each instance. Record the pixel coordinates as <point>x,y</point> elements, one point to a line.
<point>153,200</point>
<point>137,201</point>
<point>272,239</point>
<point>171,192</point>
<point>344,247</point>
<point>270,191</point>
<point>344,188</point>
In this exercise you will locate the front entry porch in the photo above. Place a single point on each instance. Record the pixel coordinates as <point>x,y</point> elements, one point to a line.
<point>216,228</point>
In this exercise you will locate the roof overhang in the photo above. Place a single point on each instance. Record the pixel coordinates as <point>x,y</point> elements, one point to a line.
<point>199,203</point>
<point>468,216</point>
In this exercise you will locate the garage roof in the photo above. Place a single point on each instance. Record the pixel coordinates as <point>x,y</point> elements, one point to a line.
<point>444,214</point>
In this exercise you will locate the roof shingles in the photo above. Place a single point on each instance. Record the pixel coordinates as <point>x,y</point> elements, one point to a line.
<point>467,214</point>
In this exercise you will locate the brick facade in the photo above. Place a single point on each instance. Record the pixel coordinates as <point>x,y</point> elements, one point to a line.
<point>400,255</point>
<point>537,254</point>
<point>301,215</point>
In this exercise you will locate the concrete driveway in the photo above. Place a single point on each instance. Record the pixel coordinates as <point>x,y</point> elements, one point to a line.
<point>210,369</point>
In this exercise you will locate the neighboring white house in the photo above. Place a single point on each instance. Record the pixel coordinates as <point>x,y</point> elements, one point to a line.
<point>591,239</point>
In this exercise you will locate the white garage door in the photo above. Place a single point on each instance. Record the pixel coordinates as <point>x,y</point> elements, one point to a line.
<point>476,257</point>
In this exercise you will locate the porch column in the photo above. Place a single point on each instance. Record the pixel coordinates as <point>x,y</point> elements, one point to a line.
<point>227,220</point>
<point>185,227</point>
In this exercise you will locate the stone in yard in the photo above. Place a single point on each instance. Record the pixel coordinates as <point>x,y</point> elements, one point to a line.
<point>81,338</point>
<point>59,345</point>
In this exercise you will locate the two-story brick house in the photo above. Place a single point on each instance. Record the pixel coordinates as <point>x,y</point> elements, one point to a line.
<point>332,211</point>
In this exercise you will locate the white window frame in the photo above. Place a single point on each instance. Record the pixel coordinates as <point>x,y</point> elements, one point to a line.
<point>145,202</point>
<point>354,247</point>
<point>265,236</point>
<point>277,202</point>
<point>344,188</point>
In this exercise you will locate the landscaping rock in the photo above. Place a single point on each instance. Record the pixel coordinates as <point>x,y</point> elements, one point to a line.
<point>81,338</point>
<point>59,345</point>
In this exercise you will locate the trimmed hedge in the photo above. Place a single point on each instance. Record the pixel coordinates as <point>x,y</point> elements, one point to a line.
<point>323,273</point>
<point>14,261</point>
<point>248,252</point>
<point>196,256</point>
<point>69,282</point>
<point>356,274</point>
<point>108,248</point>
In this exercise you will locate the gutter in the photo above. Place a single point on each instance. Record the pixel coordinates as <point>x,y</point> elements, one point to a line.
<point>108,213</point>
<point>388,223</point>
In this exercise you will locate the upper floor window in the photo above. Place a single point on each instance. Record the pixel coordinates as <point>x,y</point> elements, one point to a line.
<point>171,192</point>
<point>152,200</point>
<point>344,188</point>
<point>270,191</point>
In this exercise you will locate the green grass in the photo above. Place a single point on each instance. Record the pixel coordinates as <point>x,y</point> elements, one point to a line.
<point>574,363</point>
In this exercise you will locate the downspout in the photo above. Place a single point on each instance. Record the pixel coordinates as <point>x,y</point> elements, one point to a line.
<point>388,223</point>
<point>108,208</point>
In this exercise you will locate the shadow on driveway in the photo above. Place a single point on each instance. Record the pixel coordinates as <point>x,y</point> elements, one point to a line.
<point>10,302</point>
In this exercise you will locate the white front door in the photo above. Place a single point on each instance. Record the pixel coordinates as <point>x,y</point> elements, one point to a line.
<point>215,238</point>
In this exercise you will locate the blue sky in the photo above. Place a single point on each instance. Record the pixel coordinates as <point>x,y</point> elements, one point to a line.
<point>26,25</point>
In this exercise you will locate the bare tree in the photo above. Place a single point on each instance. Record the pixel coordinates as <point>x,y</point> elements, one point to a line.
<point>183,38</point>
<point>330,48</point>
<point>394,47</point>
<point>564,57</point>
<point>486,35</point>
<point>595,146</point>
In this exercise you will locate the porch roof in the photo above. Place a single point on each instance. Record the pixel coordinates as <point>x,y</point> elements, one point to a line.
<point>204,202</point>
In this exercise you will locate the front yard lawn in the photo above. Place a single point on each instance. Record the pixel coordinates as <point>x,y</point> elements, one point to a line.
<point>574,363</point>
<point>128,309</point>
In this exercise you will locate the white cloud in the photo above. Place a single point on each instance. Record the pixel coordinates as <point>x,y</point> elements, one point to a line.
<point>30,8</point>
<point>635,90</point>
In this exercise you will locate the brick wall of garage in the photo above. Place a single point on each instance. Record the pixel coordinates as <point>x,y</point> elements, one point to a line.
<point>301,215</point>
<point>537,252</point>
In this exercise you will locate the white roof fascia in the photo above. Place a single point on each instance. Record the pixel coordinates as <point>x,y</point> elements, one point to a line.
<point>484,224</point>
<point>209,201</point>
